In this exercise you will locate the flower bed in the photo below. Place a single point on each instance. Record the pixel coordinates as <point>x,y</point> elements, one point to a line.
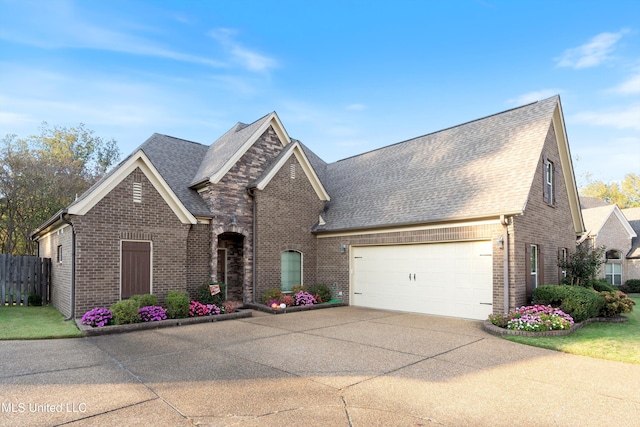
<point>538,320</point>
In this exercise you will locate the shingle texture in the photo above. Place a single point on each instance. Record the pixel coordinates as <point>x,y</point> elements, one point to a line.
<point>221,151</point>
<point>633,216</point>
<point>595,218</point>
<point>481,168</point>
<point>176,159</point>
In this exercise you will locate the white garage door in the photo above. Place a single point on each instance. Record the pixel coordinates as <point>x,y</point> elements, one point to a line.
<point>449,279</point>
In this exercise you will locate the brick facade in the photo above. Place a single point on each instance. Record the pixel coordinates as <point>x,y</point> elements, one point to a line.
<point>287,209</point>
<point>116,218</point>
<point>614,236</point>
<point>60,288</point>
<point>549,227</point>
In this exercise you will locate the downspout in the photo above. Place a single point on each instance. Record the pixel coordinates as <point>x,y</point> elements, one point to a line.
<point>505,255</point>
<point>73,265</point>
<point>252,193</point>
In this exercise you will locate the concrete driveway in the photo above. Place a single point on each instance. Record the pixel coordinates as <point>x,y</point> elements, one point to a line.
<point>342,366</point>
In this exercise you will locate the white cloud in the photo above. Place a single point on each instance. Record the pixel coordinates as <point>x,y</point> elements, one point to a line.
<point>625,118</point>
<point>356,107</point>
<point>534,96</point>
<point>629,87</point>
<point>593,53</point>
<point>247,58</point>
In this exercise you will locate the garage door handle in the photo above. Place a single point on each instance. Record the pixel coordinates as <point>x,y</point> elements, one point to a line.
<point>357,293</point>
<point>486,303</point>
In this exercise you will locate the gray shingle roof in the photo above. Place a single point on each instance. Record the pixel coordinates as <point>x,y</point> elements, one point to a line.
<point>591,202</point>
<point>219,153</point>
<point>595,218</point>
<point>633,216</point>
<point>176,159</point>
<point>481,168</point>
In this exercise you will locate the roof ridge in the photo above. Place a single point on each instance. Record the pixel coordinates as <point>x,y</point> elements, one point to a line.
<point>180,139</point>
<point>445,129</point>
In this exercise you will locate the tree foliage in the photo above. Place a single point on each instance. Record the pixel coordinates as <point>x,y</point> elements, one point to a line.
<point>43,173</point>
<point>625,194</point>
<point>583,265</point>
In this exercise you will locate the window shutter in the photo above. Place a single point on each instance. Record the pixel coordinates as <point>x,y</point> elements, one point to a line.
<point>545,196</point>
<point>527,252</point>
<point>540,266</point>
<point>555,184</point>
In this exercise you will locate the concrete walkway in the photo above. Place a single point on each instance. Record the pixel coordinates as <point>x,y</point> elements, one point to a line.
<point>342,366</point>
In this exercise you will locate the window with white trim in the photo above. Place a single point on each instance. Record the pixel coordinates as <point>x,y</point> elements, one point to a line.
<point>549,182</point>
<point>291,270</point>
<point>534,266</point>
<point>613,267</point>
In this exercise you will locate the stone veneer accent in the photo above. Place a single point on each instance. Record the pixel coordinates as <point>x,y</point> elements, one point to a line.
<point>232,206</point>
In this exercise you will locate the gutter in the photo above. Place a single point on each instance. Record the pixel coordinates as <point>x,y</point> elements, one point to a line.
<point>505,221</point>
<point>73,264</point>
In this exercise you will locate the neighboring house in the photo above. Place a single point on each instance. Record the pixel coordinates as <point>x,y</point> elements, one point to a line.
<point>633,256</point>
<point>461,222</point>
<point>607,226</point>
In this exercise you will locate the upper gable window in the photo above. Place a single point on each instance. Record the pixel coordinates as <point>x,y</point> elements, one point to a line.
<point>549,182</point>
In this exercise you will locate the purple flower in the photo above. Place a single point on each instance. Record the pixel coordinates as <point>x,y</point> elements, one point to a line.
<point>152,313</point>
<point>97,317</point>
<point>304,298</point>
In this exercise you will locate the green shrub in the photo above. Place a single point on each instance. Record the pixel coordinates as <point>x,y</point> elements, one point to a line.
<point>616,303</point>
<point>125,312</point>
<point>578,302</point>
<point>203,294</point>
<point>145,300</point>
<point>631,286</point>
<point>178,304</point>
<point>322,293</point>
<point>34,299</point>
<point>601,285</point>
<point>272,294</point>
<point>298,288</point>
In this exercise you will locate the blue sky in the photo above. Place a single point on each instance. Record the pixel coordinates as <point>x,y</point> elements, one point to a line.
<point>344,77</point>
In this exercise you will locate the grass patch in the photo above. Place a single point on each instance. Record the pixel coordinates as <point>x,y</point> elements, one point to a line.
<point>28,323</point>
<point>611,341</point>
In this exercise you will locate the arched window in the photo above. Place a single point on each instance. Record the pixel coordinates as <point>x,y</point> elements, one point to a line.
<point>291,270</point>
<point>613,267</point>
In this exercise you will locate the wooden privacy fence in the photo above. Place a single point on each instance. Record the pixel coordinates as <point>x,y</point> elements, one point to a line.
<point>21,275</point>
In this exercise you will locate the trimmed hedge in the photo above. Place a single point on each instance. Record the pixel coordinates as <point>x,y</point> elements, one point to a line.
<point>631,286</point>
<point>601,285</point>
<point>125,312</point>
<point>578,302</point>
<point>178,305</point>
<point>145,300</point>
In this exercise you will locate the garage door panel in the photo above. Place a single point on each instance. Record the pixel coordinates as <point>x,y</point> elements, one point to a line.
<point>450,279</point>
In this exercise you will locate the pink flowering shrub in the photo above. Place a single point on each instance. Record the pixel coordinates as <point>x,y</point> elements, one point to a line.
<point>198,309</point>
<point>304,298</point>
<point>534,318</point>
<point>288,300</point>
<point>152,313</point>
<point>96,317</point>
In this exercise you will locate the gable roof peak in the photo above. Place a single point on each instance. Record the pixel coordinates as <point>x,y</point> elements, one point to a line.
<point>227,150</point>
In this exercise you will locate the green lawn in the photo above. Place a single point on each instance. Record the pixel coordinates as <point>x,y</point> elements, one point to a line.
<point>612,341</point>
<point>26,323</point>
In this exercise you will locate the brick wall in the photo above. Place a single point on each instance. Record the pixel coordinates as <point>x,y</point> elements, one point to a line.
<point>117,217</point>
<point>287,209</point>
<point>198,256</point>
<point>60,289</point>
<point>550,227</point>
<point>612,235</point>
<point>232,206</point>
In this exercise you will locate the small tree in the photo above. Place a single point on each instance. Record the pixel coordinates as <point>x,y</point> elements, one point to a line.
<point>583,265</point>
